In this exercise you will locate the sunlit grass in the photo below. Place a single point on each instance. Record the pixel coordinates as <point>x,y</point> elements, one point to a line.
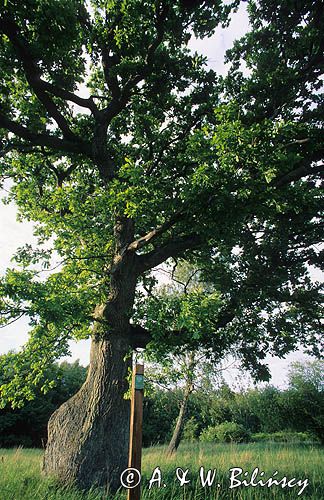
<point>21,478</point>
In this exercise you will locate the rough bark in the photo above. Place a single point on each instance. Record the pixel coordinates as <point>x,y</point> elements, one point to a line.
<point>88,435</point>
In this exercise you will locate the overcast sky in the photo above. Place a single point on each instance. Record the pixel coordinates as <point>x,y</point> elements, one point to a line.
<point>14,234</point>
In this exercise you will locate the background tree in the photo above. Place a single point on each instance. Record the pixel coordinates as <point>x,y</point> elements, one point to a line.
<point>295,415</point>
<point>192,305</point>
<point>268,408</point>
<point>27,426</point>
<point>304,400</point>
<point>224,172</point>
<point>188,372</point>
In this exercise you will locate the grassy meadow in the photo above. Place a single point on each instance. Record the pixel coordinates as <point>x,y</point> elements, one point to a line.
<point>21,479</point>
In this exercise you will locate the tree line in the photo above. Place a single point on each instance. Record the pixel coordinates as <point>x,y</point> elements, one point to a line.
<point>214,414</point>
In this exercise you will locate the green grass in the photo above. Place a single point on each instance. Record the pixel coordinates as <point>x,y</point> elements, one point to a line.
<point>21,479</point>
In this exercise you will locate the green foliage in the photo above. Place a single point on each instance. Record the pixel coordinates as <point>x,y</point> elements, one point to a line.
<point>265,411</point>
<point>27,426</point>
<point>220,408</point>
<point>221,172</point>
<point>159,413</point>
<point>304,401</point>
<point>269,408</point>
<point>191,430</point>
<point>227,432</point>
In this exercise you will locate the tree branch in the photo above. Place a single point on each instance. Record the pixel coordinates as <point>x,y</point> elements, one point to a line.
<point>144,240</point>
<point>21,147</point>
<point>173,248</point>
<point>121,96</point>
<point>70,96</point>
<point>44,139</point>
<point>107,63</point>
<point>139,337</point>
<point>39,86</point>
<point>298,173</point>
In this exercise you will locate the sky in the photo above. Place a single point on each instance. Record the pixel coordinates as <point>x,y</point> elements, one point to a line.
<point>14,234</point>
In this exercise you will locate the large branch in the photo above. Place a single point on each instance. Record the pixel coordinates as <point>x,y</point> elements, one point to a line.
<point>298,173</point>
<point>139,336</point>
<point>37,84</point>
<point>158,231</point>
<point>41,139</point>
<point>173,248</point>
<point>70,96</point>
<point>121,95</point>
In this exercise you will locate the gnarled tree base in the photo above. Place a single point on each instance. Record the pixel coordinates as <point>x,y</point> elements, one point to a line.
<point>88,436</point>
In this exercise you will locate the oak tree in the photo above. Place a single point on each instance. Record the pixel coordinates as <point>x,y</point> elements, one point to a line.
<point>126,150</point>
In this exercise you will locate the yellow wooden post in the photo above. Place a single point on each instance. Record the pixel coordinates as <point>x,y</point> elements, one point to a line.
<point>136,425</point>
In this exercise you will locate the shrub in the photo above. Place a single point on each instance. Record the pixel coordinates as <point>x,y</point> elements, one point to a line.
<point>209,435</point>
<point>227,432</point>
<point>190,430</point>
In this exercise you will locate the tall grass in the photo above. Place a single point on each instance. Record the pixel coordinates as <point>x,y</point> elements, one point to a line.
<point>21,478</point>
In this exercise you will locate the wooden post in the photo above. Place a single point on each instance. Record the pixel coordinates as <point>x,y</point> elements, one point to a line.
<point>136,424</point>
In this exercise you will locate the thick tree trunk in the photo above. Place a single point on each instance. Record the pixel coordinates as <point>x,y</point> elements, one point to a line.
<point>88,435</point>
<point>177,433</point>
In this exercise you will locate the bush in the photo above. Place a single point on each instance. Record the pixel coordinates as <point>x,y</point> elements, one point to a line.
<point>209,435</point>
<point>227,432</point>
<point>190,430</point>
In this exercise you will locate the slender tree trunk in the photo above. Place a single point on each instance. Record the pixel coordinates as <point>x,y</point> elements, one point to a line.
<point>177,433</point>
<point>88,435</point>
<point>189,376</point>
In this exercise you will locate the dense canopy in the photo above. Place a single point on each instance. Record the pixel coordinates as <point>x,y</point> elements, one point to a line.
<point>126,150</point>
<point>227,167</point>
